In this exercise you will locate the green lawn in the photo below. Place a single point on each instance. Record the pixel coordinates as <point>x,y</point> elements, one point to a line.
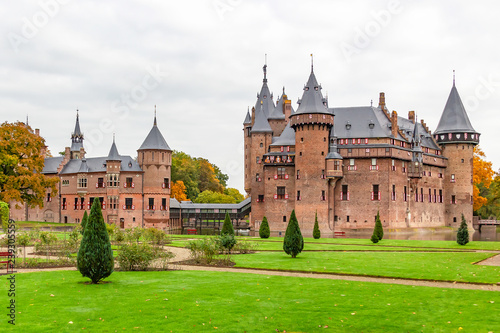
<point>432,266</point>
<point>194,301</point>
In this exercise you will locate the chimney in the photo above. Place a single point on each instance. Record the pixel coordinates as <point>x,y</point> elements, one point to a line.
<point>82,153</point>
<point>287,106</point>
<point>253,115</point>
<point>37,131</point>
<point>411,116</point>
<point>381,101</point>
<point>394,124</point>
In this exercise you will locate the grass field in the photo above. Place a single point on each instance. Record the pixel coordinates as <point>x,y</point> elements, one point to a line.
<point>193,301</point>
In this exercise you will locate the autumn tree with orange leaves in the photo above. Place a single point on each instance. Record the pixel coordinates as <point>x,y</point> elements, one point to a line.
<point>482,178</point>
<point>178,191</point>
<point>21,165</point>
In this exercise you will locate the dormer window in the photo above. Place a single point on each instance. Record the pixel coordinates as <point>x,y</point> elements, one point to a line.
<point>306,88</point>
<point>371,125</point>
<point>348,126</point>
<point>316,88</point>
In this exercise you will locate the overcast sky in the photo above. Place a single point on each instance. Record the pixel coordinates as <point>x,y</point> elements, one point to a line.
<point>200,62</point>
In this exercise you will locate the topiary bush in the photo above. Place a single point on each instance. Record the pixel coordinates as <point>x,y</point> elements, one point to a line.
<point>293,243</point>
<point>316,231</point>
<point>463,232</point>
<point>264,230</point>
<point>378,230</point>
<point>227,227</point>
<point>374,238</point>
<point>95,257</point>
<point>226,242</point>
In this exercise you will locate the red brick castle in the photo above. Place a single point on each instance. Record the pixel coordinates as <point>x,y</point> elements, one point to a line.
<point>348,163</point>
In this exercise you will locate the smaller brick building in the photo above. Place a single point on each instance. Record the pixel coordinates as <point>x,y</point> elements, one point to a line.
<point>132,192</point>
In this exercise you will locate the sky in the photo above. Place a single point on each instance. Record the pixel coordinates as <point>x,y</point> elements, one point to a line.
<point>200,62</point>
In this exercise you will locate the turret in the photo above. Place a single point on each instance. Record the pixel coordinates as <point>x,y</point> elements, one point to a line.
<point>457,138</point>
<point>416,167</point>
<point>77,150</point>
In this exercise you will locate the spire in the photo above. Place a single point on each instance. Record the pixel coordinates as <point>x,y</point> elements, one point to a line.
<point>312,99</point>
<point>248,118</point>
<point>154,123</point>
<point>454,117</point>
<point>333,153</point>
<point>264,98</point>
<point>265,70</point>
<point>77,135</point>
<point>416,136</point>
<point>312,63</point>
<point>113,152</point>
<point>453,77</point>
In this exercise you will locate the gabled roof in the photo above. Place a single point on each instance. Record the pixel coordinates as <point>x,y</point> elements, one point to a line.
<point>287,137</point>
<point>361,122</point>
<point>312,100</point>
<point>261,124</point>
<point>51,164</point>
<point>408,127</point>
<point>454,117</point>
<point>113,153</point>
<point>98,164</point>
<point>155,140</point>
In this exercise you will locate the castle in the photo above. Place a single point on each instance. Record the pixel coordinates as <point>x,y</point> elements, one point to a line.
<point>131,192</point>
<point>346,164</point>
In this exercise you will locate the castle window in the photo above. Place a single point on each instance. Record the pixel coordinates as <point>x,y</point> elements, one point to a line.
<point>351,165</point>
<point>284,218</point>
<point>151,204</point>
<point>434,199</point>
<point>298,174</point>
<point>452,178</point>
<point>347,218</point>
<point>100,182</point>
<point>166,183</point>
<point>260,198</point>
<point>462,160</point>
<point>128,182</point>
<point>163,157</point>
<point>76,204</point>
<point>152,156</point>
<point>405,194</point>
<point>82,182</point>
<point>323,195</point>
<point>454,219</point>
<point>298,196</point>
<point>344,195</point>
<point>65,182</point>
<point>64,204</point>
<point>374,165</point>
<point>430,195</point>
<point>129,203</point>
<point>300,154</point>
<point>82,203</point>
<point>393,166</point>
<point>421,194</point>
<point>416,195</point>
<point>440,199</point>
<point>280,192</point>
<point>323,174</point>
<point>403,167</point>
<point>301,139</point>
<point>336,165</point>
<point>322,153</point>
<point>113,180</point>
<point>393,194</point>
<point>163,204</point>
<point>261,145</point>
<point>257,178</point>
<point>49,199</point>
<point>281,173</point>
<point>453,200</point>
<point>375,193</point>
<point>258,159</point>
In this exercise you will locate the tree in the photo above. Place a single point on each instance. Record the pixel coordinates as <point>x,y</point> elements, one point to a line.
<point>264,231</point>
<point>238,197</point>
<point>227,227</point>
<point>21,165</point>
<point>463,232</point>
<point>4,215</point>
<point>85,219</point>
<point>316,231</point>
<point>178,191</point>
<point>293,243</point>
<point>482,178</point>
<point>378,230</point>
<point>95,257</point>
<point>208,196</point>
<point>207,177</point>
<point>374,238</point>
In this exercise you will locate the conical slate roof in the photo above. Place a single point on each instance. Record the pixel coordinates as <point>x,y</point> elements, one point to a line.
<point>155,140</point>
<point>416,140</point>
<point>454,117</point>
<point>287,137</point>
<point>264,98</point>
<point>248,119</point>
<point>312,100</point>
<point>277,112</point>
<point>333,153</point>
<point>113,153</point>
<point>77,136</point>
<point>77,126</point>
<point>261,124</point>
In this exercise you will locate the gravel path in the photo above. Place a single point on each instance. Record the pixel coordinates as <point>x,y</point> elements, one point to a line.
<point>182,254</point>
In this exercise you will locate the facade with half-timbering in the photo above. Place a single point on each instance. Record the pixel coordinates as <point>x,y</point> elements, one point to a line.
<point>345,164</point>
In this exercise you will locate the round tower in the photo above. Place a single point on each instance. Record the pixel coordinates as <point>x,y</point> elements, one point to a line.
<point>457,138</point>
<point>312,123</point>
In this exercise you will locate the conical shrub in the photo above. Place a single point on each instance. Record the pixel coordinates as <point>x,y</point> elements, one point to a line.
<point>316,231</point>
<point>95,257</point>
<point>378,227</point>
<point>294,242</point>
<point>227,227</point>
<point>264,230</point>
<point>463,232</point>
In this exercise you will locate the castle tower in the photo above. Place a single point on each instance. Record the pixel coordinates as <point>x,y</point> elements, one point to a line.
<point>155,159</point>
<point>77,151</point>
<point>334,172</point>
<point>312,123</point>
<point>113,168</point>
<point>457,138</point>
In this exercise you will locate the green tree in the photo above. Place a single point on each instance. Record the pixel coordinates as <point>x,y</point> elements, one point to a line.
<point>208,196</point>
<point>316,231</point>
<point>264,230</point>
<point>463,232</point>
<point>238,197</point>
<point>4,215</point>
<point>227,227</point>
<point>85,219</point>
<point>95,257</point>
<point>378,229</point>
<point>293,243</point>
<point>374,238</point>
<point>21,164</point>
